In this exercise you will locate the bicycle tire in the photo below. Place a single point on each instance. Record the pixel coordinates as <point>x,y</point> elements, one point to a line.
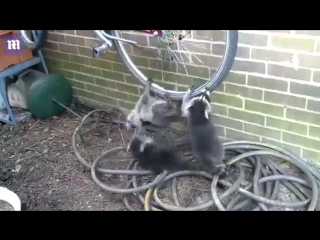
<point>212,84</point>
<point>38,42</point>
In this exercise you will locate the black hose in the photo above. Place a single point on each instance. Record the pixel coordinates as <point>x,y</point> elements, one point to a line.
<point>261,191</point>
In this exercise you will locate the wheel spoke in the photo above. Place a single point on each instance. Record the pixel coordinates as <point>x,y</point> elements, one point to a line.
<point>180,58</point>
<point>172,50</point>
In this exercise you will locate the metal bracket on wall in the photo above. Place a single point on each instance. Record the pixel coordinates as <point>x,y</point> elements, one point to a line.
<point>9,117</point>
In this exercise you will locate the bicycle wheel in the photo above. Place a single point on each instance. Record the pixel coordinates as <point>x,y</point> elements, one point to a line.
<point>178,61</point>
<point>34,40</point>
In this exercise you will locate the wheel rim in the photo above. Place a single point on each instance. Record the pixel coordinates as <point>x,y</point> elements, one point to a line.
<point>27,36</point>
<point>174,94</point>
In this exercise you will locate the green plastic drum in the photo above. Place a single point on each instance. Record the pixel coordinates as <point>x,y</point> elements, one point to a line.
<point>44,93</point>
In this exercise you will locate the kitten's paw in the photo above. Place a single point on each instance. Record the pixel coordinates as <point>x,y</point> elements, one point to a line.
<point>129,126</point>
<point>156,171</point>
<point>168,100</point>
<point>149,81</point>
<point>219,170</point>
<point>222,173</point>
<point>167,96</point>
<point>148,86</point>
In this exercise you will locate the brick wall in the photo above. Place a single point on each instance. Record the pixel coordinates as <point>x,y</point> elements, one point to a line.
<point>271,95</point>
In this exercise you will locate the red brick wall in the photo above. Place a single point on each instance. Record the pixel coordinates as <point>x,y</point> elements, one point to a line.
<point>272,93</point>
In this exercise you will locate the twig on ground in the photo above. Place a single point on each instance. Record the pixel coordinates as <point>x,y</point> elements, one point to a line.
<point>27,157</point>
<point>58,130</point>
<point>32,126</point>
<point>124,142</point>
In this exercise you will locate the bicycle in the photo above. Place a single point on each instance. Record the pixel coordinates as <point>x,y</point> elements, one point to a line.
<point>170,39</point>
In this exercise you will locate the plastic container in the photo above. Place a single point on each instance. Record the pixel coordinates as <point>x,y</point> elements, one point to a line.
<point>11,198</point>
<point>18,91</point>
<point>47,94</point>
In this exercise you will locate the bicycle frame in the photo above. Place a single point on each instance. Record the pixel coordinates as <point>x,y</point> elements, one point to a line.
<point>107,40</point>
<point>152,32</point>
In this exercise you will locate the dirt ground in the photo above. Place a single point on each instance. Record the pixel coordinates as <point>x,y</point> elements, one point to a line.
<point>38,163</point>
